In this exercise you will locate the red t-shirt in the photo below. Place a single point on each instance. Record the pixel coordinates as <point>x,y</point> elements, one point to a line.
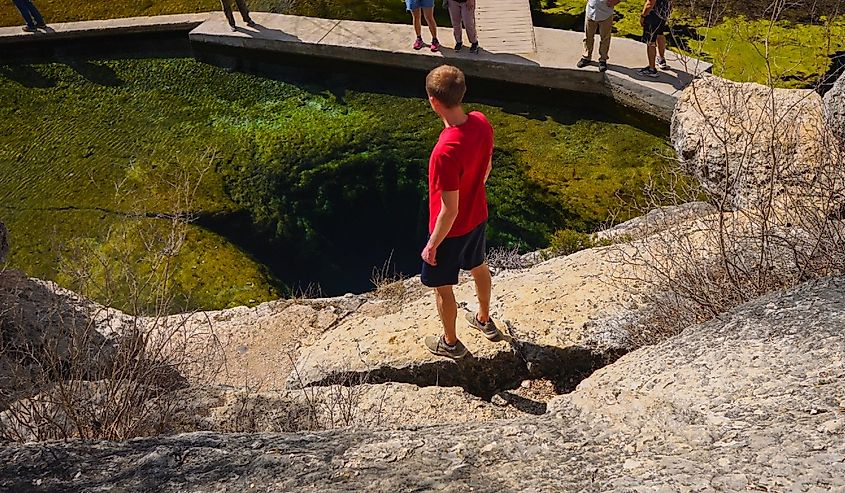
<point>459,162</point>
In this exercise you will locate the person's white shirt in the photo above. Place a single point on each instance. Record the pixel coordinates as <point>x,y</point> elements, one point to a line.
<point>598,10</point>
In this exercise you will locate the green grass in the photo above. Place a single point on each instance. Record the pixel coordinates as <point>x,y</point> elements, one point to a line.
<point>79,10</point>
<point>796,55</point>
<point>307,182</point>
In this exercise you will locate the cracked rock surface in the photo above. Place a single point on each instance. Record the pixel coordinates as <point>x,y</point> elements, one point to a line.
<point>753,400</point>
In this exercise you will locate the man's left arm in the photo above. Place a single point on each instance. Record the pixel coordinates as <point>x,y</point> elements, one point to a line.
<point>445,220</point>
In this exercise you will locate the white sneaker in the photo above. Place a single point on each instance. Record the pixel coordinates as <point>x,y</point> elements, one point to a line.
<point>661,62</point>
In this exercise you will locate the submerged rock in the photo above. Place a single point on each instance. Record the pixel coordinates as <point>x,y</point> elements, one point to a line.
<point>4,242</point>
<point>752,400</point>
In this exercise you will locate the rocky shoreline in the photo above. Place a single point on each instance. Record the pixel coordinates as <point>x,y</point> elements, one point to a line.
<point>338,393</point>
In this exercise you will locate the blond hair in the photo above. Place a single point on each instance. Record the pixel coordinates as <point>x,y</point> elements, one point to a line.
<point>447,85</point>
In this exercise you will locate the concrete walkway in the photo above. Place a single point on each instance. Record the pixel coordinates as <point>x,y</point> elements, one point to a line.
<point>509,52</point>
<point>505,25</point>
<point>552,65</point>
<point>109,27</point>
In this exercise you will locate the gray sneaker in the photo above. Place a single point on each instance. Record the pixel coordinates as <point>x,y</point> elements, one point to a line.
<point>490,331</point>
<point>438,346</point>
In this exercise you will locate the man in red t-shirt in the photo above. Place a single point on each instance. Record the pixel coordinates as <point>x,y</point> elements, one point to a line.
<point>457,171</point>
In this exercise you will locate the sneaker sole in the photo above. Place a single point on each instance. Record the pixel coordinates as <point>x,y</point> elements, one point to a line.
<point>498,336</point>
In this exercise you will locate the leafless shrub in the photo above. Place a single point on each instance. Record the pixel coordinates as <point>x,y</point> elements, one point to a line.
<point>504,258</point>
<point>81,370</point>
<point>776,221</point>
<point>338,403</point>
<point>389,284</point>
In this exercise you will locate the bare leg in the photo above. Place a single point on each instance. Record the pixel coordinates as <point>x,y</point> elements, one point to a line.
<point>483,290</point>
<point>432,25</point>
<point>416,14</point>
<point>661,46</point>
<point>652,53</point>
<point>447,307</point>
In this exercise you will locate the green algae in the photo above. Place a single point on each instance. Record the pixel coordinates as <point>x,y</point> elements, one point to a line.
<point>296,183</point>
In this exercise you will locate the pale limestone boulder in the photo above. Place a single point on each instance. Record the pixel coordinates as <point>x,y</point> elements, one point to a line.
<point>45,327</point>
<point>745,141</point>
<point>834,103</point>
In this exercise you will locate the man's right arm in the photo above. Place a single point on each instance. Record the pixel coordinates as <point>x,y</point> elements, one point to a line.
<point>649,5</point>
<point>489,169</point>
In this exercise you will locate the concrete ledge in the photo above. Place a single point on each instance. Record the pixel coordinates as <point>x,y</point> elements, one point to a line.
<point>90,29</point>
<point>552,66</point>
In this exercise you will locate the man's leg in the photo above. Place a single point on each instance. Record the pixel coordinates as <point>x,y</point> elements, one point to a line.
<point>227,11</point>
<point>483,291</point>
<point>651,49</point>
<point>244,10</point>
<point>589,38</point>
<point>429,19</point>
<point>447,307</point>
<point>661,46</point>
<point>605,31</point>
<point>23,7</point>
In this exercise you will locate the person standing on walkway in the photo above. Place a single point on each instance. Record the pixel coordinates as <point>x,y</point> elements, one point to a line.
<point>463,12</point>
<point>457,202</point>
<point>227,9</point>
<point>655,22</point>
<point>418,9</point>
<point>599,17</point>
<point>30,15</point>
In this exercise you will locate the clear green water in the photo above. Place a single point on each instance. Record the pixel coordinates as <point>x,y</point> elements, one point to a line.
<point>309,182</point>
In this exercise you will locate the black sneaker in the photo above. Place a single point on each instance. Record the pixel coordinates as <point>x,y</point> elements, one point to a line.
<point>473,48</point>
<point>602,65</point>
<point>233,28</point>
<point>583,62</point>
<point>649,72</point>
<point>437,345</point>
<point>490,331</point>
<point>250,23</point>
<point>459,46</point>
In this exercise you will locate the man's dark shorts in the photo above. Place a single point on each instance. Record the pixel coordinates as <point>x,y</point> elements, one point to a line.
<point>653,26</point>
<point>461,252</point>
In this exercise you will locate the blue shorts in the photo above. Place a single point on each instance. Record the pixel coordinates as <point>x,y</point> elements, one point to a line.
<point>460,252</point>
<point>419,4</point>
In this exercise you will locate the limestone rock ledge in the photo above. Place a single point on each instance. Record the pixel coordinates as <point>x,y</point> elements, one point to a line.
<point>753,400</point>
